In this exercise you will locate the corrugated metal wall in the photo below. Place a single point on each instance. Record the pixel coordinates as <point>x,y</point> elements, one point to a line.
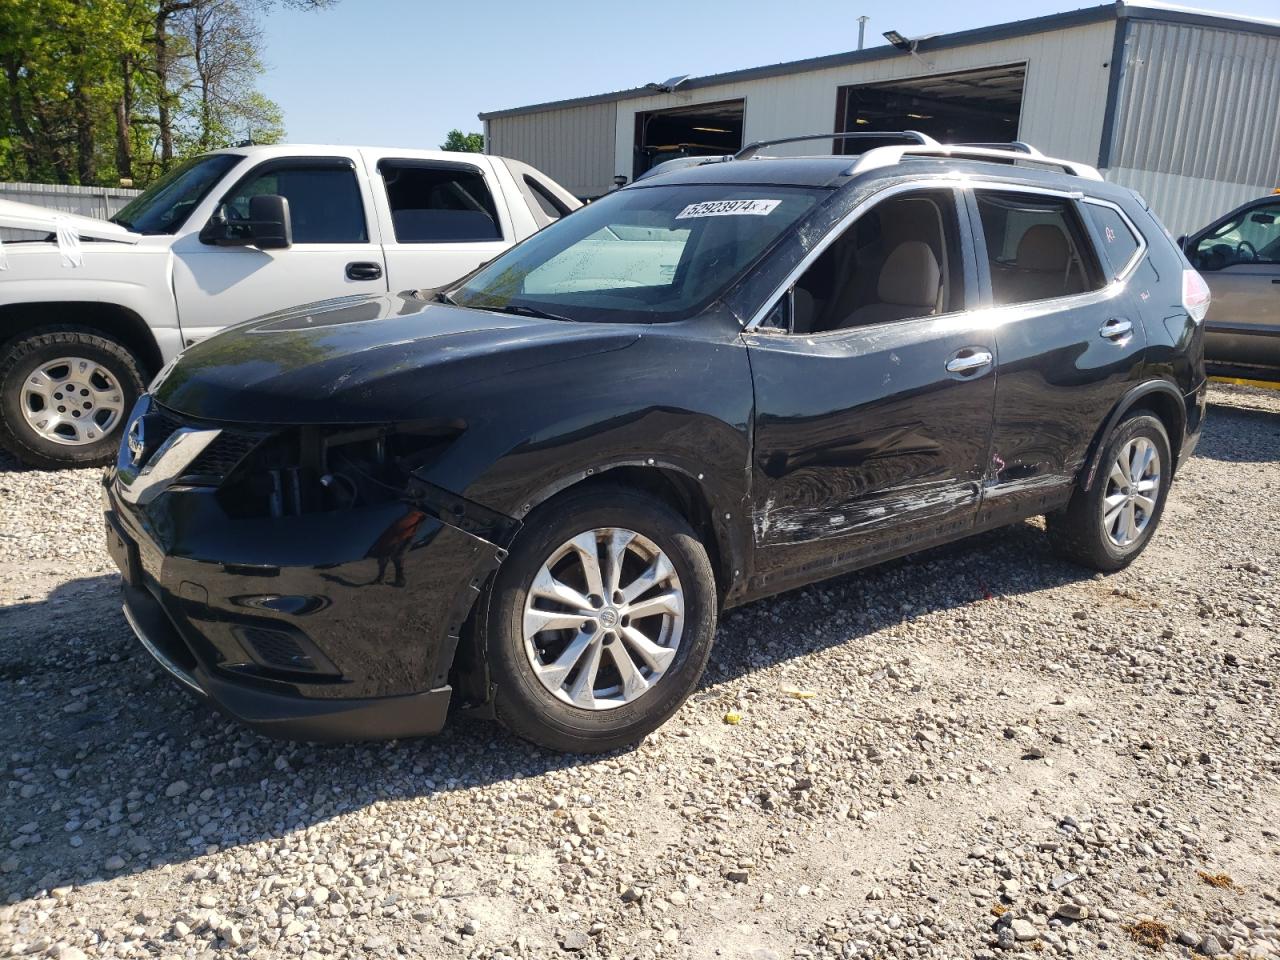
<point>1066,85</point>
<point>573,146</point>
<point>99,202</point>
<point>1198,119</point>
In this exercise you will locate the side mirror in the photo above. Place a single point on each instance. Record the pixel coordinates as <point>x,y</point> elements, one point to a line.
<point>268,227</point>
<point>269,223</point>
<point>1182,241</point>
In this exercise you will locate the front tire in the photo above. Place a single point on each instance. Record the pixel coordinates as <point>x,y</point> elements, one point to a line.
<point>600,621</point>
<point>1109,525</point>
<point>65,394</point>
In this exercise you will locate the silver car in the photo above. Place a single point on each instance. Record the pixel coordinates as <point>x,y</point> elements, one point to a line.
<point>1239,256</point>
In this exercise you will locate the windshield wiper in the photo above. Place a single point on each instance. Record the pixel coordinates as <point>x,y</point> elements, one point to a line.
<point>523,311</point>
<point>441,297</point>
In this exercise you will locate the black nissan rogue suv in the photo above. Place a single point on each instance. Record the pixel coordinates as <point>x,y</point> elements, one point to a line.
<point>534,491</point>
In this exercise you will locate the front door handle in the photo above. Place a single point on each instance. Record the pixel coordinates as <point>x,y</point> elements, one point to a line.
<point>969,361</point>
<point>1116,328</point>
<point>363,270</point>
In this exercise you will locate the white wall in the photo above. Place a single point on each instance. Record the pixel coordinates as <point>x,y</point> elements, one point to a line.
<point>573,146</point>
<point>1062,109</point>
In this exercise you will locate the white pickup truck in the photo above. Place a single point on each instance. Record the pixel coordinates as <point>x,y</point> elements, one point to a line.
<point>92,309</point>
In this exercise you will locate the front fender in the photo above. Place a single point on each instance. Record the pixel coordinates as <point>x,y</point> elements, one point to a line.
<point>681,408</point>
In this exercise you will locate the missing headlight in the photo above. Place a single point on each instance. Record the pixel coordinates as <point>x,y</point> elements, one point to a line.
<point>318,469</point>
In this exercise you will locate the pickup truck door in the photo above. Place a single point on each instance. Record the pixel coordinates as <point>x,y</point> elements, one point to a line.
<point>335,252</point>
<point>439,219</point>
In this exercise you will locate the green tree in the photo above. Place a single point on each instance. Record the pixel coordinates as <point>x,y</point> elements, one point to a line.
<point>96,90</point>
<point>461,142</point>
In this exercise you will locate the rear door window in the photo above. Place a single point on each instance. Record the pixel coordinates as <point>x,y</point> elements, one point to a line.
<point>439,202</point>
<point>1119,243</point>
<point>1037,248</point>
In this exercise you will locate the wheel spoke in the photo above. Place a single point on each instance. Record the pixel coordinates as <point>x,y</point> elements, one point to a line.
<point>549,588</point>
<point>1129,523</point>
<point>633,682</point>
<point>1117,476</point>
<point>554,673</point>
<point>41,384</point>
<point>1110,517</point>
<point>1147,504</point>
<point>656,573</point>
<point>1143,455</point>
<point>616,553</point>
<point>583,691</point>
<point>659,603</point>
<point>535,620</point>
<point>1110,503</point>
<point>588,550</point>
<point>656,658</point>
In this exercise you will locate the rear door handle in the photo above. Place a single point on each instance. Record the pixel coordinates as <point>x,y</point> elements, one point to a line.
<point>363,270</point>
<point>1115,329</point>
<point>969,361</point>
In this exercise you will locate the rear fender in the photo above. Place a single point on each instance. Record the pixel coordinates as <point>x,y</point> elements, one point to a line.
<point>1169,405</point>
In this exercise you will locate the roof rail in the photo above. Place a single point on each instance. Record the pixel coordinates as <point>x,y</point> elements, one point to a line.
<point>889,156</point>
<point>751,149</point>
<point>1020,145</point>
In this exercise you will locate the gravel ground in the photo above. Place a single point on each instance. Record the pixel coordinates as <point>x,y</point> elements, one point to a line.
<point>982,752</point>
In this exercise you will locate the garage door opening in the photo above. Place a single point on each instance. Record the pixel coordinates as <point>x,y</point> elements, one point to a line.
<point>701,130</point>
<point>977,106</point>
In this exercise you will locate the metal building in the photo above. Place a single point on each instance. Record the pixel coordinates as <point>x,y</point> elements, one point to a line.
<point>1182,105</point>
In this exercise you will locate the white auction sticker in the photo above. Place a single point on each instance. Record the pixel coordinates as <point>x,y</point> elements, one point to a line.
<point>728,208</point>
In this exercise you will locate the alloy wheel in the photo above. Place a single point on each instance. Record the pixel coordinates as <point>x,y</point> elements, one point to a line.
<point>1133,488</point>
<point>72,401</point>
<point>603,619</point>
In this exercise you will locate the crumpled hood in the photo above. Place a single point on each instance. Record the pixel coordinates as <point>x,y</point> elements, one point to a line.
<point>364,360</point>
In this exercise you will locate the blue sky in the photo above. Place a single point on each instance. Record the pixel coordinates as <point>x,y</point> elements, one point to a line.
<point>403,72</point>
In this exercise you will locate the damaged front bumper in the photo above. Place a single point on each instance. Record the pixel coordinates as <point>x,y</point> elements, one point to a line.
<point>340,625</point>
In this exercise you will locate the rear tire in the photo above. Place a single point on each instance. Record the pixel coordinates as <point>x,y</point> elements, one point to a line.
<point>65,395</point>
<point>1108,526</point>
<point>636,643</point>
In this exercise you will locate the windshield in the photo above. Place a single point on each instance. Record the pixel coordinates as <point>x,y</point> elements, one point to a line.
<point>644,255</point>
<point>164,205</point>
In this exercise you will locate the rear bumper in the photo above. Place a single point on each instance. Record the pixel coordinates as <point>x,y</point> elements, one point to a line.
<point>279,714</point>
<point>1195,403</point>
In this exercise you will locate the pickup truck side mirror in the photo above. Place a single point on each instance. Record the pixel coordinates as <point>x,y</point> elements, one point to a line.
<point>268,227</point>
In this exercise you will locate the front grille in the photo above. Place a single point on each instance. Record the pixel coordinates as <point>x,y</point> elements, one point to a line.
<point>219,458</point>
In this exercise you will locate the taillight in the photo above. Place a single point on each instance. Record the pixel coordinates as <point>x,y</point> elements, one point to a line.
<point>1195,294</point>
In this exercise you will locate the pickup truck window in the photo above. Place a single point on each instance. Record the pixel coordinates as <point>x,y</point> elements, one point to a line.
<point>545,199</point>
<point>165,205</point>
<point>324,200</point>
<point>439,202</point>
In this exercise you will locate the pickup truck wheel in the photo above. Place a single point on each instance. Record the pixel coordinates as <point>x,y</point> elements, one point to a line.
<point>600,621</point>
<point>65,393</point>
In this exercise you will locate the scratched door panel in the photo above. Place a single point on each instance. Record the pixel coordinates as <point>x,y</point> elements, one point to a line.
<point>864,443</point>
<point>1068,346</point>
